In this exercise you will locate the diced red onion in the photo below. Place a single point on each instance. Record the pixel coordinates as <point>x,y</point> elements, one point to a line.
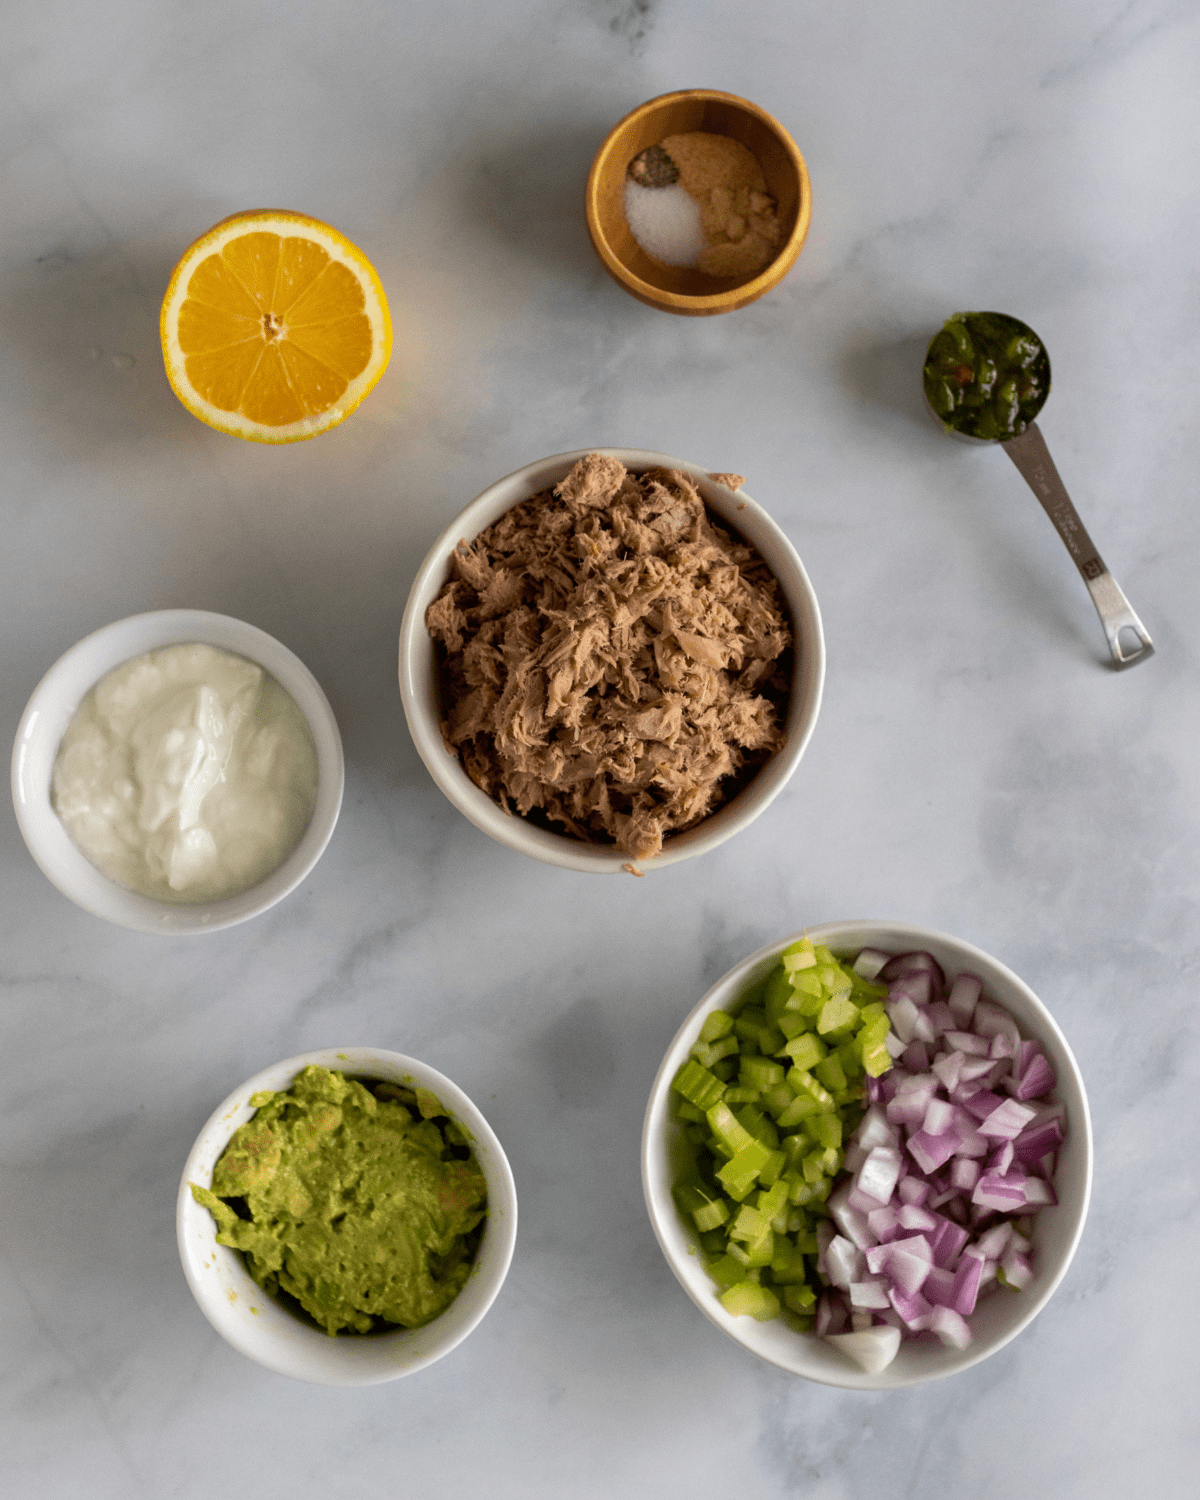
<point>912,963</point>
<point>1007,1122</point>
<point>869,962</point>
<point>964,993</point>
<point>950,1327</point>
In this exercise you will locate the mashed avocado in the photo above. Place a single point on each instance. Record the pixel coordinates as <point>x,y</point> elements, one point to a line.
<point>364,1204</point>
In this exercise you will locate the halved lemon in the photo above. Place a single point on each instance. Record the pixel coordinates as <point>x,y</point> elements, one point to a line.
<point>274,327</point>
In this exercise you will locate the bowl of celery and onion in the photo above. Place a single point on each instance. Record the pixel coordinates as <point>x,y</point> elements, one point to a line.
<point>860,1134</point>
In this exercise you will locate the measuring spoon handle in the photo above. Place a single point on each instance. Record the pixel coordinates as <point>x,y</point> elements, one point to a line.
<point>1029,452</point>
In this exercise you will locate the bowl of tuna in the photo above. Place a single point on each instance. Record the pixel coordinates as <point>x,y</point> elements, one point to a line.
<point>867,1154</point>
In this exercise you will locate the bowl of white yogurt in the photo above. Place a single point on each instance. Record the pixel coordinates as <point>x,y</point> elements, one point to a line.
<point>177,772</point>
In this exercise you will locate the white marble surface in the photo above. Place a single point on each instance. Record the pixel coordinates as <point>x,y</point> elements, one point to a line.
<point>976,768</point>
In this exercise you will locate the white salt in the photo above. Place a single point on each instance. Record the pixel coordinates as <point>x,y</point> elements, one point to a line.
<point>665,222</point>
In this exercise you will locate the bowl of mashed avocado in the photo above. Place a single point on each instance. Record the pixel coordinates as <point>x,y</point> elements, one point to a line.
<point>346,1217</point>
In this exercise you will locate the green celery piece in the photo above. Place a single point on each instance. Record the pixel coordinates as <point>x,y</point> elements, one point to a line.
<point>787,1264</point>
<point>813,1167</point>
<point>776,1100</point>
<point>760,1251</point>
<point>712,1241</point>
<point>737,1093</point>
<point>707,1053</point>
<point>826,957</point>
<point>757,1124</point>
<point>760,1073</point>
<point>877,1060</point>
<point>743,1166</point>
<point>725,1270</point>
<point>777,993</point>
<point>800,1298</point>
<point>824,1130</point>
<point>829,1071</point>
<point>773,1200</point>
<point>717,1024</point>
<point>867,989</point>
<point>696,1134</point>
<point>800,1194</point>
<point>711,1215</point>
<point>870,1014</point>
<point>749,1224</point>
<point>805,1083</point>
<point>799,956</point>
<point>820,1191</point>
<point>799,1109</point>
<point>725,1069</point>
<point>835,1014</point>
<point>728,1128</point>
<point>747,1297</point>
<point>771,1168</point>
<point>831,1161</point>
<point>805,1051</point>
<point>792,1025</point>
<point>849,1055</point>
<point>687,1111</point>
<point>810,1006</point>
<point>752,996</point>
<point>690,1194</point>
<point>807,984</point>
<point>697,1085</point>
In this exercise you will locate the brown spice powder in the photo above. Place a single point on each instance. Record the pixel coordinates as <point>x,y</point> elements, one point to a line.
<point>737,214</point>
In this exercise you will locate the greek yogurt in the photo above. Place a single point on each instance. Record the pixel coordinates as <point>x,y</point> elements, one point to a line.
<point>187,774</point>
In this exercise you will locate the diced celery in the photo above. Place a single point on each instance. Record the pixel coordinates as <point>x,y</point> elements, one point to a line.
<point>825,1130</point>
<point>749,1224</point>
<point>717,1024</point>
<point>757,1124</point>
<point>829,1071</point>
<point>792,1024</point>
<point>760,1073</point>
<point>718,1147</point>
<point>804,1050</point>
<point>738,1093</point>
<point>707,1053</point>
<point>711,1215</point>
<point>787,1263</point>
<point>725,1270</point>
<point>849,1055</point>
<point>689,1194</point>
<point>825,956</point>
<point>728,1128</point>
<point>806,1241</point>
<point>807,984</point>
<point>835,1014</point>
<point>687,1111</point>
<point>800,1193</point>
<point>712,1241</point>
<point>777,994</point>
<point>771,1200</point>
<point>799,956</point>
<point>725,1069</point>
<point>800,1107</point>
<point>805,1083</point>
<point>771,1168</point>
<point>697,1085</point>
<point>747,1297</point>
<point>800,1298</point>
<point>743,1168</point>
<point>813,1167</point>
<point>776,1100</point>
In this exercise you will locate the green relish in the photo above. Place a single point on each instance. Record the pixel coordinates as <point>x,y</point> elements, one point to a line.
<point>987,375</point>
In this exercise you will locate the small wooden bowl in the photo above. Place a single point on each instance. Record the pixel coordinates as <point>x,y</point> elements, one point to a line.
<point>678,289</point>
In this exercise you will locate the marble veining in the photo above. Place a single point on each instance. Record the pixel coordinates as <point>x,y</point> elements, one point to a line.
<point>976,768</point>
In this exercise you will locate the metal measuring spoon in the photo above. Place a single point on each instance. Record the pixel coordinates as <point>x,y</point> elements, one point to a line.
<point>978,406</point>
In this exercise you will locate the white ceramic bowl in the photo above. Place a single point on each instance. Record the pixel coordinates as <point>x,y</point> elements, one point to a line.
<point>999,1317</point>
<point>247,1318</point>
<point>419,687</point>
<point>50,710</point>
